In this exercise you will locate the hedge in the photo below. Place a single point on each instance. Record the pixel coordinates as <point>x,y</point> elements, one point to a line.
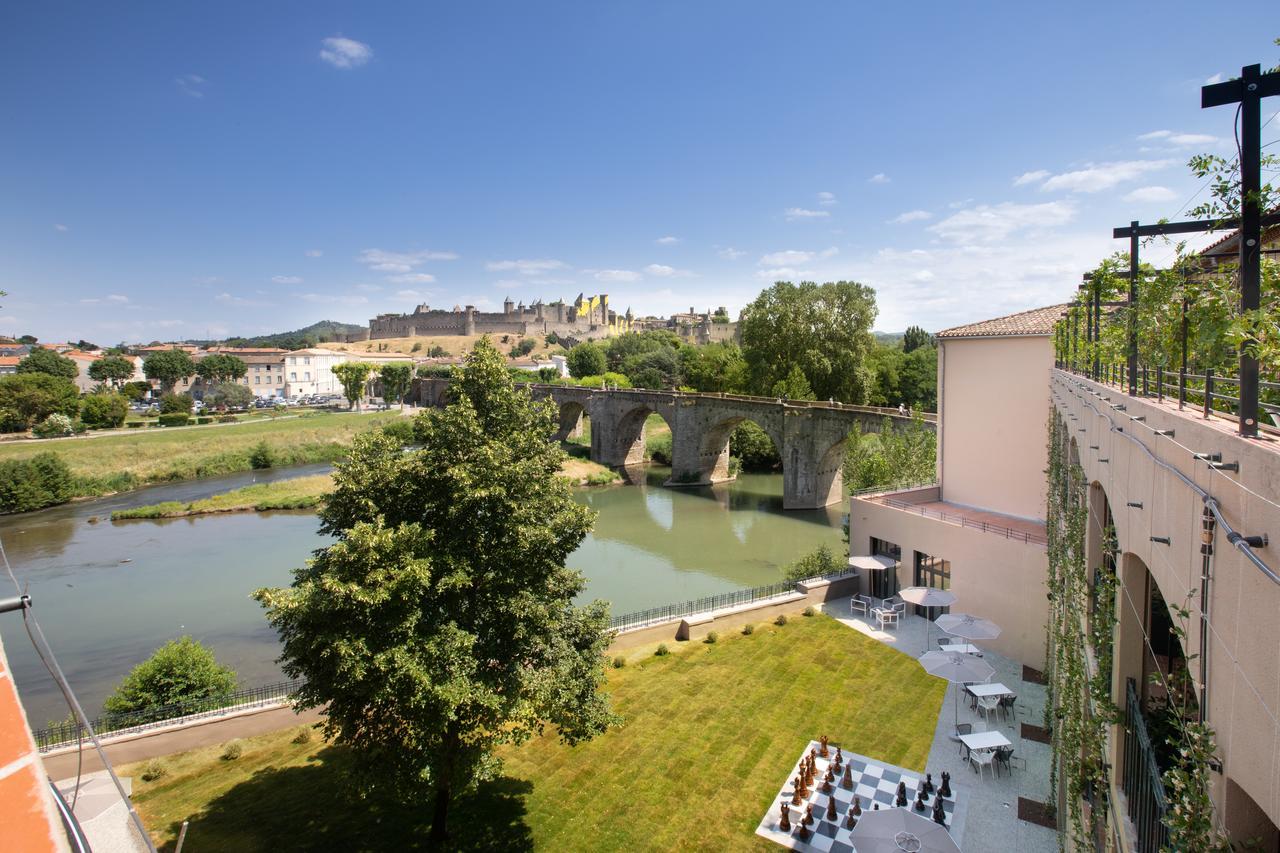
<point>174,419</point>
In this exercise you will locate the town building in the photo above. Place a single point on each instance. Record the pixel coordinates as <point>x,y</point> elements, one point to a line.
<point>587,317</point>
<point>694,327</point>
<point>310,371</point>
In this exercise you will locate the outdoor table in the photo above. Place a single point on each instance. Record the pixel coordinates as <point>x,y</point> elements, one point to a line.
<point>996,689</point>
<point>962,648</point>
<point>985,740</point>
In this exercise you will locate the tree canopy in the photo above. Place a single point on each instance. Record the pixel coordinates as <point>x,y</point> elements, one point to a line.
<point>221,367</point>
<point>440,624</point>
<point>353,375</point>
<point>396,381</point>
<point>178,671</point>
<point>168,367</point>
<point>824,330</point>
<point>586,359</point>
<point>42,360</point>
<point>113,369</point>
<point>29,398</point>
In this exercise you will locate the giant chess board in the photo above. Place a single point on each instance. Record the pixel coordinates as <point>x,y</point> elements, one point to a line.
<point>874,783</point>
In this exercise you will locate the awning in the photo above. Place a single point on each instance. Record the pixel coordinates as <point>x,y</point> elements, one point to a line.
<point>872,562</point>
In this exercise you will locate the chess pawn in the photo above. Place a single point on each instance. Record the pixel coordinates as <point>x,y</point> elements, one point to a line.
<point>901,800</point>
<point>823,752</point>
<point>807,820</point>
<point>920,800</point>
<point>850,820</point>
<point>846,781</point>
<point>826,786</point>
<point>928,783</point>
<point>785,825</point>
<point>945,790</point>
<point>796,788</point>
<point>804,834</point>
<point>831,808</point>
<point>857,807</point>
<point>939,816</point>
<point>875,807</point>
<point>839,758</point>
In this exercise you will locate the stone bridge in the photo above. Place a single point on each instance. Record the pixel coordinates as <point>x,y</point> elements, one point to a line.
<point>810,436</point>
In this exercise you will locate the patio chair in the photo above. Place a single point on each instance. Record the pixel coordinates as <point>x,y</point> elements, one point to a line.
<point>973,700</point>
<point>983,758</point>
<point>988,705</point>
<point>1004,755</point>
<point>1007,705</point>
<point>963,729</point>
<point>859,604</point>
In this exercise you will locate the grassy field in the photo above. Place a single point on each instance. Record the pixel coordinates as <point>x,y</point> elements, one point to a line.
<point>710,733</point>
<point>298,493</point>
<point>122,461</point>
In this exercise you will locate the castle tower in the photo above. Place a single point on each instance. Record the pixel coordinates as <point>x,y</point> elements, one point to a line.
<point>469,320</point>
<point>539,311</point>
<point>604,309</point>
<point>508,306</point>
<point>560,313</point>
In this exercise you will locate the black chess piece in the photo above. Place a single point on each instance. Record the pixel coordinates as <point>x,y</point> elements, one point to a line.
<point>785,825</point>
<point>808,815</point>
<point>928,784</point>
<point>939,816</point>
<point>850,820</point>
<point>846,781</point>
<point>857,807</point>
<point>839,759</point>
<point>919,806</point>
<point>900,801</point>
<point>945,790</point>
<point>804,834</point>
<point>875,807</point>
<point>831,809</point>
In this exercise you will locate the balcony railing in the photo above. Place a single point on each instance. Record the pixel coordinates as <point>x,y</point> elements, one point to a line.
<point>1143,785</point>
<point>964,521</point>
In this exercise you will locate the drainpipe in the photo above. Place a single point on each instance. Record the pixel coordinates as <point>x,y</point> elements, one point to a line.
<point>1208,527</point>
<point>938,429</point>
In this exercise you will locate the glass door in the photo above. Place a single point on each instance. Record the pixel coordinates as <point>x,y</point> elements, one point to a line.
<point>933,572</point>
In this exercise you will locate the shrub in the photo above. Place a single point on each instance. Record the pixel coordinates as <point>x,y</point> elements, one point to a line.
<point>153,770</point>
<point>232,751</point>
<point>417,345</point>
<point>204,419</point>
<point>175,403</point>
<point>810,611</point>
<point>29,398</point>
<point>711,637</point>
<point>303,735</point>
<point>174,419</point>
<point>662,650</point>
<point>754,447</point>
<point>226,419</point>
<point>54,426</point>
<point>781,620</point>
<point>401,430</point>
<point>261,456</point>
<point>815,564</point>
<point>104,411</point>
<point>619,662</point>
<point>178,671</point>
<point>603,478</point>
<point>748,629</point>
<point>27,484</point>
<point>659,449</point>
<point>587,359</point>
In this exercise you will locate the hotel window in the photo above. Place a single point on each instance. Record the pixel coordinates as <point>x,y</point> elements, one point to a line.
<point>307,376</point>
<point>257,380</point>
<point>306,359</point>
<point>293,377</point>
<point>293,359</point>
<point>885,583</point>
<point>934,572</point>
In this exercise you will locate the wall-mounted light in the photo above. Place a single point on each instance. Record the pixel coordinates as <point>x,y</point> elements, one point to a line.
<point>1163,540</point>
<point>1225,466</point>
<point>1167,432</point>
<point>1135,504</point>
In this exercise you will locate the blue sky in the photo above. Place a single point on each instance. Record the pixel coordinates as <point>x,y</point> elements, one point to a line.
<point>174,170</point>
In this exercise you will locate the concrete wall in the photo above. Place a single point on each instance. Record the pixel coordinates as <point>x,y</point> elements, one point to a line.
<point>1000,579</point>
<point>1243,647</point>
<point>994,397</point>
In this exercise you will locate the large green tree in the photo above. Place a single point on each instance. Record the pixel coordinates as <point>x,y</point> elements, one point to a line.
<point>914,338</point>
<point>396,381</point>
<point>586,359</point>
<point>353,375</point>
<point>440,624</point>
<point>112,369</point>
<point>42,360</point>
<point>168,367</point>
<point>221,367</point>
<point>824,330</point>
<point>178,671</point>
<point>29,398</point>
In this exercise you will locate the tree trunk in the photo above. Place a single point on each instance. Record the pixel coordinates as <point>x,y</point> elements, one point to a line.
<point>439,820</point>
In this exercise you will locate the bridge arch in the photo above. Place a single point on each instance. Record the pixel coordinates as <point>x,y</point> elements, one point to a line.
<point>711,462</point>
<point>569,425</point>
<point>624,443</point>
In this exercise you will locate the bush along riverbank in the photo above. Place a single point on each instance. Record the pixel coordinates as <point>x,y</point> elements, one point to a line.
<point>299,493</point>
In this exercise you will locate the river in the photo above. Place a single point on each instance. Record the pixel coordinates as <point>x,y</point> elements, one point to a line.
<point>108,593</point>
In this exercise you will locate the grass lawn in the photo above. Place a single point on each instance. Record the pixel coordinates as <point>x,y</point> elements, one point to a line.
<point>710,732</point>
<point>122,461</point>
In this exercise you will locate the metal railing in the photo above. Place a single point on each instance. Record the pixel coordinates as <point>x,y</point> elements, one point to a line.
<point>63,734</point>
<point>1143,785</point>
<point>894,487</point>
<point>720,601</point>
<point>964,521</point>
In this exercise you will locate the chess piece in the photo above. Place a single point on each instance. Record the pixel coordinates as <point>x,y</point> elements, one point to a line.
<point>846,781</point>
<point>807,820</point>
<point>939,816</point>
<point>857,807</point>
<point>804,834</point>
<point>796,787</point>
<point>785,825</point>
<point>945,790</point>
<point>901,800</point>
<point>875,807</point>
<point>919,806</point>
<point>823,752</point>
<point>928,783</point>
<point>839,758</point>
<point>831,808</point>
<point>850,820</point>
<point>826,786</point>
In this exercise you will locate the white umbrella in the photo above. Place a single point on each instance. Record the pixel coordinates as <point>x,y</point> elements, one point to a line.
<point>967,626</point>
<point>872,562</point>
<point>900,831</point>
<point>927,596</point>
<point>958,669</point>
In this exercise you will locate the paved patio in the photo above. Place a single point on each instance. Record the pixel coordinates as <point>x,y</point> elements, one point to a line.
<point>992,821</point>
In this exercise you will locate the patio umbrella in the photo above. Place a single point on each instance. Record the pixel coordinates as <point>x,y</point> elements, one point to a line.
<point>958,669</point>
<point>968,627</point>
<point>927,596</point>
<point>872,562</point>
<point>900,831</point>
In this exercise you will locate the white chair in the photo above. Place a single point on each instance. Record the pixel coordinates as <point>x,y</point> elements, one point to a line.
<point>988,705</point>
<point>858,604</point>
<point>983,758</point>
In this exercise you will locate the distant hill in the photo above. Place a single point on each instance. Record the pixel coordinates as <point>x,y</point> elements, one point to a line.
<point>316,333</point>
<point>888,338</point>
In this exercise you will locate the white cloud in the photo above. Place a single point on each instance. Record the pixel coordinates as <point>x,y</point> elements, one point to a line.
<point>617,275</point>
<point>412,278</point>
<point>730,254</point>
<point>911,216</point>
<point>60,227</point>
<point>1151,194</point>
<point>956,205</point>
<point>1178,140</point>
<point>1030,177</point>
<point>526,266</point>
<point>332,299</point>
<point>1216,78</point>
<point>117,297</point>
<point>344,52</point>
<point>989,223</point>
<point>369,288</point>
<point>239,301</point>
<point>924,275</point>
<point>664,271</point>
<point>827,198</point>
<point>784,274</point>
<point>1096,177</point>
<point>190,85</point>
<point>667,241</point>
<point>313,253</point>
<point>790,257</point>
<point>552,282</point>
<point>286,279</point>
<point>794,213</point>
<point>508,283</point>
<point>381,260</point>
<point>879,178</point>
<point>114,297</point>
<point>412,294</point>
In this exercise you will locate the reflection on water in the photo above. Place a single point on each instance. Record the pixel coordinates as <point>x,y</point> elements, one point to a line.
<point>108,593</point>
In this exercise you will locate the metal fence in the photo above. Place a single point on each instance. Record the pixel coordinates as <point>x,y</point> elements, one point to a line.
<point>62,734</point>
<point>964,521</point>
<point>671,612</point>
<point>1143,786</point>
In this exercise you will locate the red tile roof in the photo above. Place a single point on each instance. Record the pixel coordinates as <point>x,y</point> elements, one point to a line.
<point>1037,321</point>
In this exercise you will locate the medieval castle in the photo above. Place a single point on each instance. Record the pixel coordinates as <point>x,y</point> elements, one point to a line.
<point>588,317</point>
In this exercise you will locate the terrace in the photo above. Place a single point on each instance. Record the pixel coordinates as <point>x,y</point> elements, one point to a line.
<point>927,502</point>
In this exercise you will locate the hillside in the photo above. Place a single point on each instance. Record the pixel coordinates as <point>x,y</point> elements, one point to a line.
<point>309,336</point>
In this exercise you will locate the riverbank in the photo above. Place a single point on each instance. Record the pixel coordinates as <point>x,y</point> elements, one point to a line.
<point>130,460</point>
